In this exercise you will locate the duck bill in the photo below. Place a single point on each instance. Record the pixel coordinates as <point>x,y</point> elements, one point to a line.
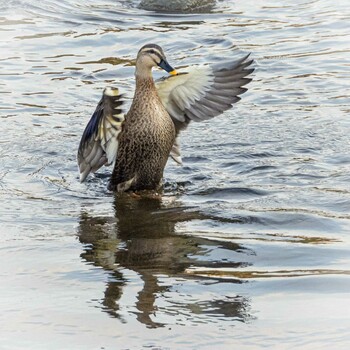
<point>167,67</point>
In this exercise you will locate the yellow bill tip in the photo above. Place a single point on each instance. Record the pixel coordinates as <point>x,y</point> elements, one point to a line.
<point>173,72</point>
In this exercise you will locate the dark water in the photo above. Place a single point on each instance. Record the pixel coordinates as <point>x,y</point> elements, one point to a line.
<point>247,248</point>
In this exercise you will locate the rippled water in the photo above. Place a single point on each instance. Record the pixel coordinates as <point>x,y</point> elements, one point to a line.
<point>248,247</point>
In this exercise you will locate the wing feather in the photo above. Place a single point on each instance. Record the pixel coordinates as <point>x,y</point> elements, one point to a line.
<point>99,143</point>
<point>203,92</point>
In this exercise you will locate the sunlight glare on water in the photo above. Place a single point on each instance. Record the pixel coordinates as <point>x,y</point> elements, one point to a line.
<point>248,246</point>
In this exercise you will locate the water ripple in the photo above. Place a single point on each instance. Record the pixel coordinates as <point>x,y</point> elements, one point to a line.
<point>252,229</point>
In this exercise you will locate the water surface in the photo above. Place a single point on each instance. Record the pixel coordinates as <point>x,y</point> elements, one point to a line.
<point>249,244</point>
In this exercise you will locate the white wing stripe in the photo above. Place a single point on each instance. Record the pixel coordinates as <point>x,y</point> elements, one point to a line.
<point>204,92</point>
<point>99,143</point>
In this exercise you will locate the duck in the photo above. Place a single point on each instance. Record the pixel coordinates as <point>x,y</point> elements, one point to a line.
<point>139,143</point>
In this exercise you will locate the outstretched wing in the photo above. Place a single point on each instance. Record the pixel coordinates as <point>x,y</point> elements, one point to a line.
<point>203,93</point>
<point>99,143</point>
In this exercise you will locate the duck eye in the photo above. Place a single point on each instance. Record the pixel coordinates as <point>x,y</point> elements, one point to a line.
<point>151,51</point>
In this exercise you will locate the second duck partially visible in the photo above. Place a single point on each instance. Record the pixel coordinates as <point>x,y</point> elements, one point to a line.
<point>139,143</point>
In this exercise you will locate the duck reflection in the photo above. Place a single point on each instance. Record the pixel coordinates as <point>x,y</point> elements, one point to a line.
<point>142,238</point>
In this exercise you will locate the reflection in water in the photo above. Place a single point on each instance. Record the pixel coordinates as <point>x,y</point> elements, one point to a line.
<point>279,162</point>
<point>142,238</point>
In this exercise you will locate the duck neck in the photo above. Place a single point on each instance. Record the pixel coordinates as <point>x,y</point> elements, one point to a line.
<point>145,87</point>
<point>143,73</point>
<point>144,84</point>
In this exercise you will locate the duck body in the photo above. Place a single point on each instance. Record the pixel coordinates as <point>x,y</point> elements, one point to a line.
<point>139,143</point>
<point>149,133</point>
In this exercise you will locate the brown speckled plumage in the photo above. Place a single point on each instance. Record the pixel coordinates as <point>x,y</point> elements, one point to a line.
<point>145,143</point>
<point>139,143</point>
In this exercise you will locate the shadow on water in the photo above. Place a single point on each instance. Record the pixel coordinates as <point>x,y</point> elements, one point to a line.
<point>142,238</point>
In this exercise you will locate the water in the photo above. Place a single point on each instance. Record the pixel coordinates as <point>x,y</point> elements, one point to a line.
<point>248,246</point>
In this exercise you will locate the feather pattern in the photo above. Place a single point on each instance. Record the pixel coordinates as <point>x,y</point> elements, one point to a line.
<point>175,153</point>
<point>148,134</point>
<point>203,93</point>
<point>99,143</point>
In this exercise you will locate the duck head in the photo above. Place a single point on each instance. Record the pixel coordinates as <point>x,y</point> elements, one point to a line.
<point>149,56</point>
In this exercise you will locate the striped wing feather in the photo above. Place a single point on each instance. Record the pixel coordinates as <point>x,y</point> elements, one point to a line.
<point>203,92</point>
<point>99,143</point>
